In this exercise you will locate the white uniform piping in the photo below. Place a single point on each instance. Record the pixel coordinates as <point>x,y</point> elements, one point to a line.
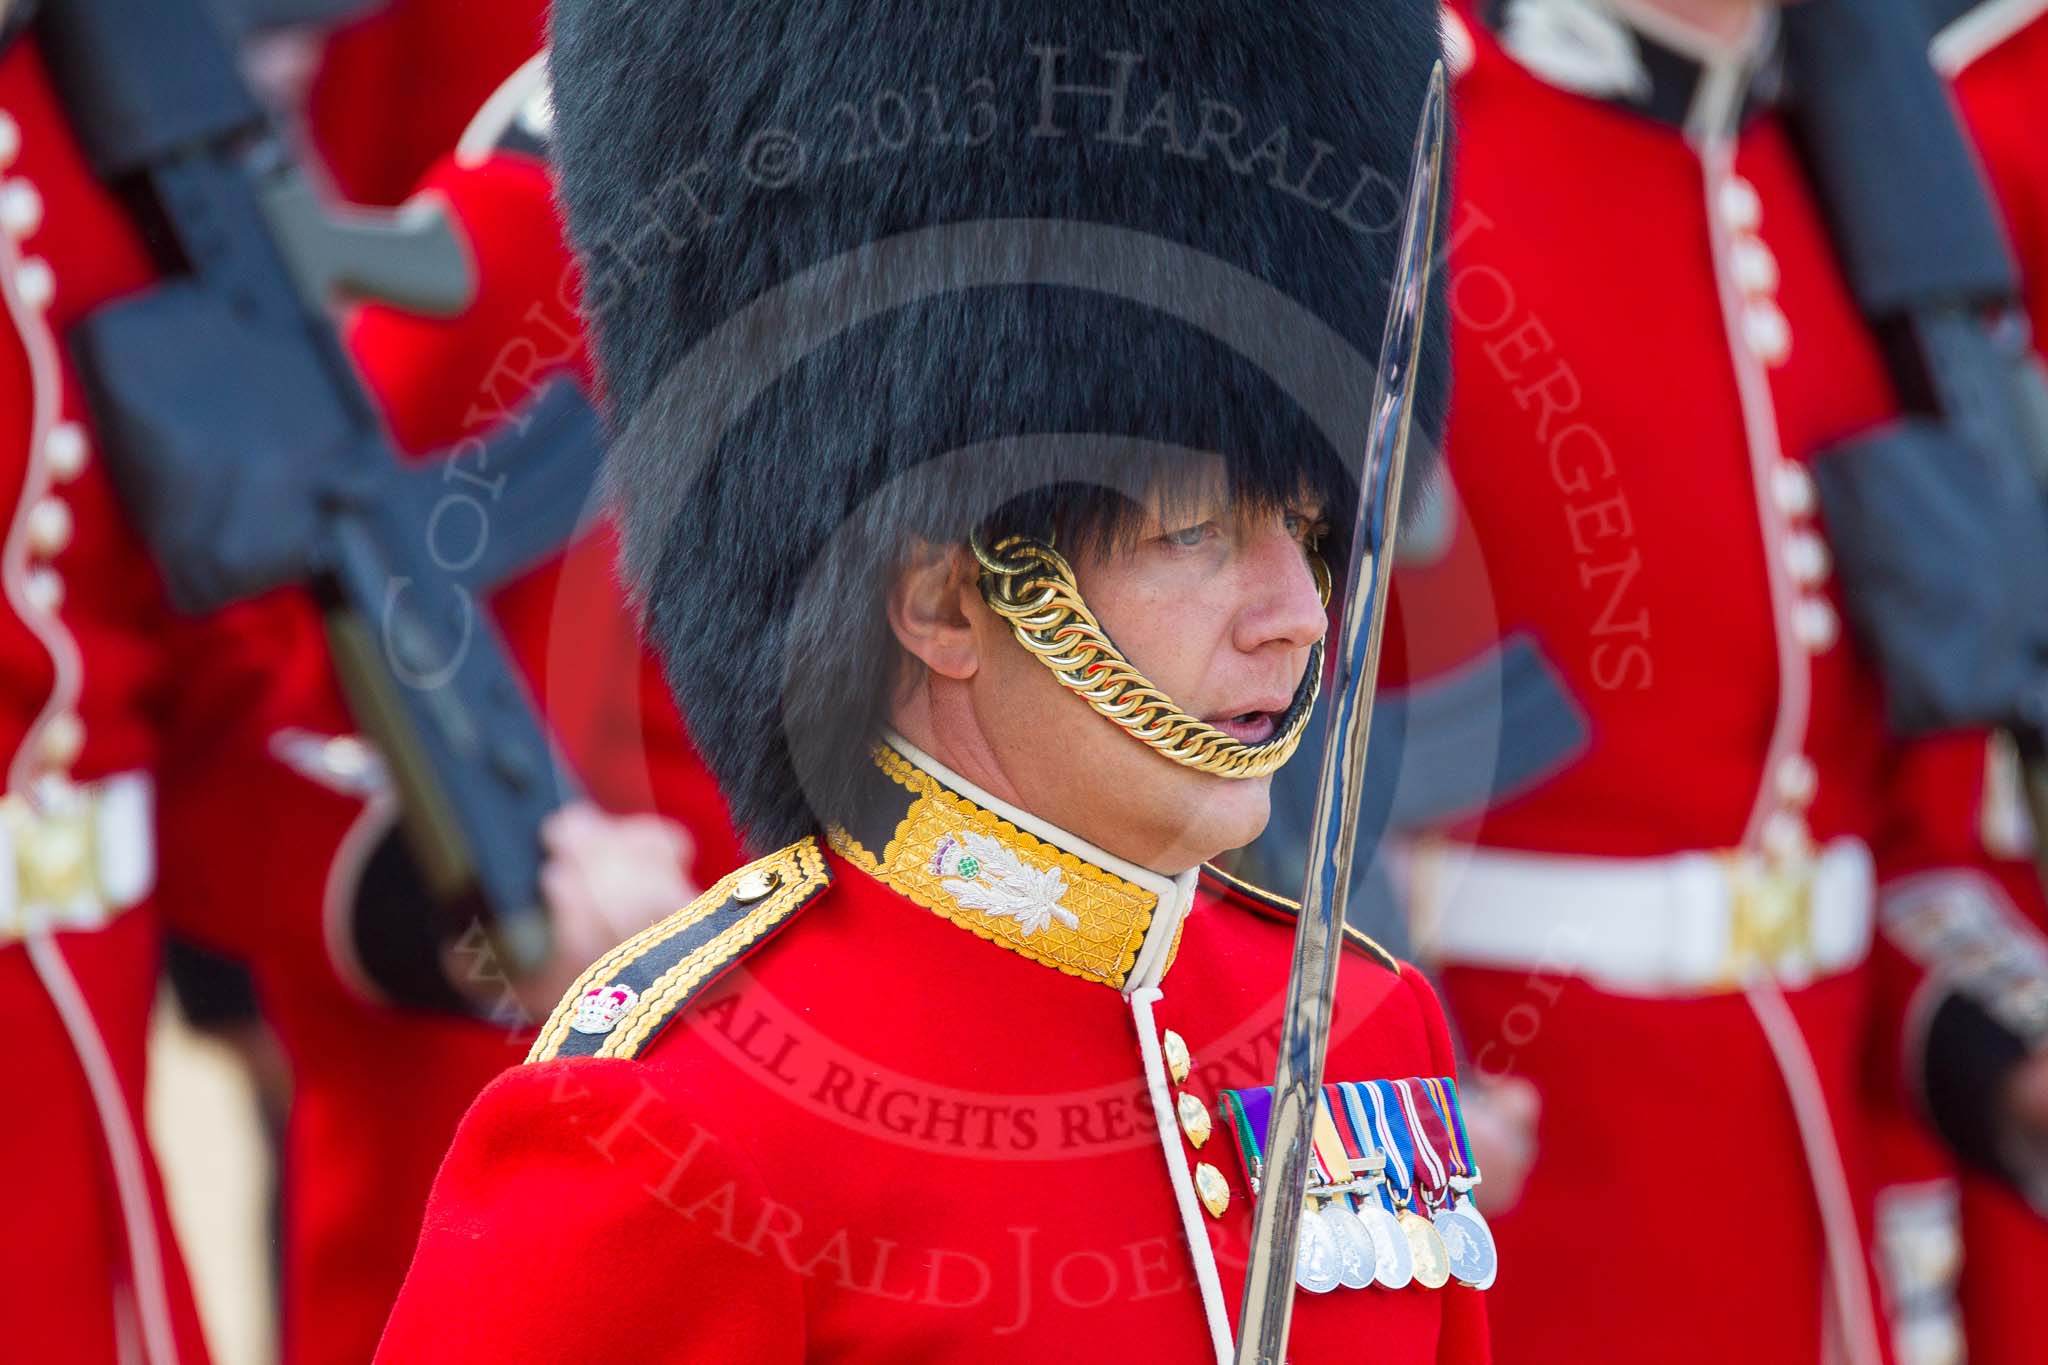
<point>1759,418</point>
<point>124,1145</point>
<point>377,818</point>
<point>46,385</point>
<point>1206,1277</point>
<point>495,115</point>
<point>1840,1232</point>
<point>1979,31</point>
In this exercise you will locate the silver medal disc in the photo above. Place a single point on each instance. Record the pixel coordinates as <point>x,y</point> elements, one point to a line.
<point>1489,1253</point>
<point>1356,1258</point>
<point>1316,1267</point>
<point>1465,1245</point>
<point>1393,1260</point>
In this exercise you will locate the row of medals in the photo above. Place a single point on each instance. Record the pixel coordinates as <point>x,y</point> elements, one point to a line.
<point>1353,1247</point>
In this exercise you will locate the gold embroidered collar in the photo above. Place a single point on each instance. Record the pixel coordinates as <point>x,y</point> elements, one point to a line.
<point>1008,877</point>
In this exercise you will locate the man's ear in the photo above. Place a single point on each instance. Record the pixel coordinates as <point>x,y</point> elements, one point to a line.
<point>927,610</point>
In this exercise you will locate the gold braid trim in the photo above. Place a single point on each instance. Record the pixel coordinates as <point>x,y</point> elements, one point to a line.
<point>1357,938</point>
<point>1031,585</point>
<point>601,971</point>
<point>1113,915</point>
<point>800,871</point>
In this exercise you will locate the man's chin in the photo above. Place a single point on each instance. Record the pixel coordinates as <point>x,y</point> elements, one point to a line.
<point>1219,814</point>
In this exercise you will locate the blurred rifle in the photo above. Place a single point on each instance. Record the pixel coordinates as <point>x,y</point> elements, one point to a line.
<point>1940,521</point>
<point>248,453</point>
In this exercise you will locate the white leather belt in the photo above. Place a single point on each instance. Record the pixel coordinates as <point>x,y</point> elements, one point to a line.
<point>1690,923</point>
<point>77,856</point>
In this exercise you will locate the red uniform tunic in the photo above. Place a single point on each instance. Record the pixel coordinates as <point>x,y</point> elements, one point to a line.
<point>378,1088</point>
<point>1997,55</point>
<point>395,88</point>
<point>88,1270</point>
<point>903,1128</point>
<point>1670,938</point>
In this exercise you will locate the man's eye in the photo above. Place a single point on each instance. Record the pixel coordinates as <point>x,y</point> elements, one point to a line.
<point>1306,529</point>
<point>1187,537</point>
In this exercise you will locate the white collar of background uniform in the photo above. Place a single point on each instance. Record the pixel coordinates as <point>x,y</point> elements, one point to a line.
<point>1624,52</point>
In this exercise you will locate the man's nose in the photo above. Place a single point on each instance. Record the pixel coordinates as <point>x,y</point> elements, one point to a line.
<point>1283,603</point>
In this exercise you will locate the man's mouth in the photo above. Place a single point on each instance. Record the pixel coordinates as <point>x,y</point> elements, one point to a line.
<point>1253,726</point>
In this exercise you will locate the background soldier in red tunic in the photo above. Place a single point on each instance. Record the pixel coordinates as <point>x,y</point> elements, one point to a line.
<point>384,1059</point>
<point>1672,938</point>
<point>1996,54</point>
<point>238,720</point>
<point>97,677</point>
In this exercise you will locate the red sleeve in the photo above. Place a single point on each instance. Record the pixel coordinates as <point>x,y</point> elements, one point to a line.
<point>439,380</point>
<point>239,680</point>
<point>1962,959</point>
<point>585,1213</point>
<point>1466,1339</point>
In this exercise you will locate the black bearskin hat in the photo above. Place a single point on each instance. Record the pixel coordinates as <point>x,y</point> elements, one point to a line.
<point>868,272</point>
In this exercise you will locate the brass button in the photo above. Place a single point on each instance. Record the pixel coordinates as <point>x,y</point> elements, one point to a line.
<point>1807,557</point>
<point>44,590</point>
<point>1767,332</point>
<point>1815,625</point>
<point>1794,489</point>
<point>1194,1118</point>
<point>1213,1189</point>
<point>1741,207</point>
<point>1797,780</point>
<point>755,885</point>
<point>66,449</point>
<point>61,740</point>
<point>35,282</point>
<point>49,526</point>
<point>21,209</point>
<point>1178,1062</point>
<point>1755,268</point>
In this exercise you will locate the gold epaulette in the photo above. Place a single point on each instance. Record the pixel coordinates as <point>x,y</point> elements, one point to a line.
<point>618,1006</point>
<point>1258,895</point>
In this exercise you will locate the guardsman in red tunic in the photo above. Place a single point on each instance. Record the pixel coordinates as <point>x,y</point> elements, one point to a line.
<point>907,320</point>
<point>1996,54</point>
<point>388,1044</point>
<point>89,662</point>
<point>1698,941</point>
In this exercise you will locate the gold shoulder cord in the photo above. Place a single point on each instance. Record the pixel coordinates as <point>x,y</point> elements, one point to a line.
<point>1030,584</point>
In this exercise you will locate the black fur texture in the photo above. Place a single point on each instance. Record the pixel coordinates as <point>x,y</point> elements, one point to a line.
<point>861,273</point>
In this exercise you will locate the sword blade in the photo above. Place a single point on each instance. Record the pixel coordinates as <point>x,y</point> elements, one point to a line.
<point>1333,837</point>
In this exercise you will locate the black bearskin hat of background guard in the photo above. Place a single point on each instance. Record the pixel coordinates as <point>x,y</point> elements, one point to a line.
<point>868,272</point>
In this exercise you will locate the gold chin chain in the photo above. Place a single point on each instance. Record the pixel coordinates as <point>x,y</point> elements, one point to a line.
<point>1031,585</point>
